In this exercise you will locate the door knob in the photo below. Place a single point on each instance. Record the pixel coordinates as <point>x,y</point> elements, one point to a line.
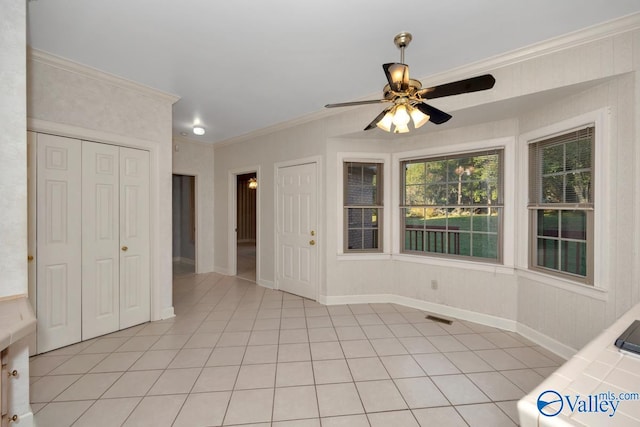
<point>124,249</point>
<point>30,258</point>
<point>312,242</point>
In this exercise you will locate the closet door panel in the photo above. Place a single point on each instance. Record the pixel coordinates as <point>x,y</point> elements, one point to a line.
<point>100,239</point>
<point>135,295</point>
<point>58,246</point>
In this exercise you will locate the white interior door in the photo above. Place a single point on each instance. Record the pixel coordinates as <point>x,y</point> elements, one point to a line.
<point>296,228</point>
<point>100,239</point>
<point>31,213</point>
<point>58,238</point>
<point>135,299</point>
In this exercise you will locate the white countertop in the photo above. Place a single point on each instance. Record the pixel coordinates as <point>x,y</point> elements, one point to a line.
<point>600,367</point>
<point>16,320</point>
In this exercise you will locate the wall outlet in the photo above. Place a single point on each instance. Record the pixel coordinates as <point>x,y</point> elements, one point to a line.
<point>434,284</point>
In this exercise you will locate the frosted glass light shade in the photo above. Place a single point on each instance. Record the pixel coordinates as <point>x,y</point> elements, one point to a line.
<point>419,118</point>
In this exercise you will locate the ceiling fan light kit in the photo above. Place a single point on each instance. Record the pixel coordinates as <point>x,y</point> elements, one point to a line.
<point>407,95</point>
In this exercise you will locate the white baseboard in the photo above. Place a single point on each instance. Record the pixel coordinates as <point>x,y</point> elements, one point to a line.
<point>444,310</point>
<point>167,313</point>
<point>547,342</point>
<point>221,270</point>
<point>266,283</point>
<point>26,420</point>
<point>184,260</point>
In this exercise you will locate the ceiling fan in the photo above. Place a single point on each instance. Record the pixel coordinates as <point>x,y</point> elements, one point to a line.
<point>407,95</point>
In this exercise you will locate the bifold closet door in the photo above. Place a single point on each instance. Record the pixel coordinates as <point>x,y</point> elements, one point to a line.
<point>58,236</point>
<point>100,239</point>
<point>135,294</point>
<point>115,238</point>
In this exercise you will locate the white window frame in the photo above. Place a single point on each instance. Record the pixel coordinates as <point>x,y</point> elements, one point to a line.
<point>506,235</point>
<point>602,201</point>
<point>385,236</point>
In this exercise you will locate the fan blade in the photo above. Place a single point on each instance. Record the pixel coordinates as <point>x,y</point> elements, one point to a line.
<point>351,104</point>
<point>473,84</point>
<point>436,116</point>
<point>397,76</point>
<point>377,119</point>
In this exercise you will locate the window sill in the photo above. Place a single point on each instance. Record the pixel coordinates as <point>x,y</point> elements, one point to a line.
<point>565,284</point>
<point>455,263</point>
<point>363,256</point>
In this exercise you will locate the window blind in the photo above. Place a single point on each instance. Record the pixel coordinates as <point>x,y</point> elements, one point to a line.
<point>560,170</point>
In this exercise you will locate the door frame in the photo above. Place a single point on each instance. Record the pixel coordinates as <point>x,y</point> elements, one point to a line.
<point>317,160</point>
<point>196,217</point>
<point>232,213</point>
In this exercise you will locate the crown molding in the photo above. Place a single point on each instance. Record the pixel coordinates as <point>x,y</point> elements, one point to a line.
<point>93,73</point>
<point>570,40</point>
<point>184,139</point>
<point>567,41</point>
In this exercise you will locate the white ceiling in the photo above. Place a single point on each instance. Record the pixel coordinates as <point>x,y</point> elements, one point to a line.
<point>243,65</point>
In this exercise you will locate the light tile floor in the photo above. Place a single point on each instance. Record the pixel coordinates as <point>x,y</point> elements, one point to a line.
<point>240,354</point>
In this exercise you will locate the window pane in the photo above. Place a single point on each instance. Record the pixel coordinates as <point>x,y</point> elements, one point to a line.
<point>548,253</point>
<point>362,181</point>
<point>484,192</point>
<point>557,247</point>
<point>460,243</point>
<point>578,155</point>
<point>354,174</point>
<point>414,173</point>
<point>416,195</point>
<point>548,222</point>
<point>553,159</point>
<point>485,245</point>
<point>574,225</point>
<point>436,171</point>
<point>436,194</point>
<point>485,219</point>
<point>370,239</point>
<point>459,219</point>
<point>578,187</point>
<point>370,218</point>
<point>574,257</point>
<point>354,217</point>
<point>552,189</point>
<point>355,239</point>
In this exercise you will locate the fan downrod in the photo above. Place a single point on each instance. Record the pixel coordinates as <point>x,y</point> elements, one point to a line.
<point>401,41</point>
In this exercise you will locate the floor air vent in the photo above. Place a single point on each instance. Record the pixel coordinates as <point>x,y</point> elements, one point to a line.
<point>439,319</point>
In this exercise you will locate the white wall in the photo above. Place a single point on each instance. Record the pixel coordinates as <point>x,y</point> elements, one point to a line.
<point>538,86</point>
<point>197,159</point>
<point>13,149</point>
<point>71,100</point>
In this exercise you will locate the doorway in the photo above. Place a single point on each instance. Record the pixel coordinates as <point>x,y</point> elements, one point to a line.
<point>184,224</point>
<point>246,225</point>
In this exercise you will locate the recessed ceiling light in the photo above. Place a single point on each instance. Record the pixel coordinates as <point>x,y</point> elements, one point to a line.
<point>198,130</point>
